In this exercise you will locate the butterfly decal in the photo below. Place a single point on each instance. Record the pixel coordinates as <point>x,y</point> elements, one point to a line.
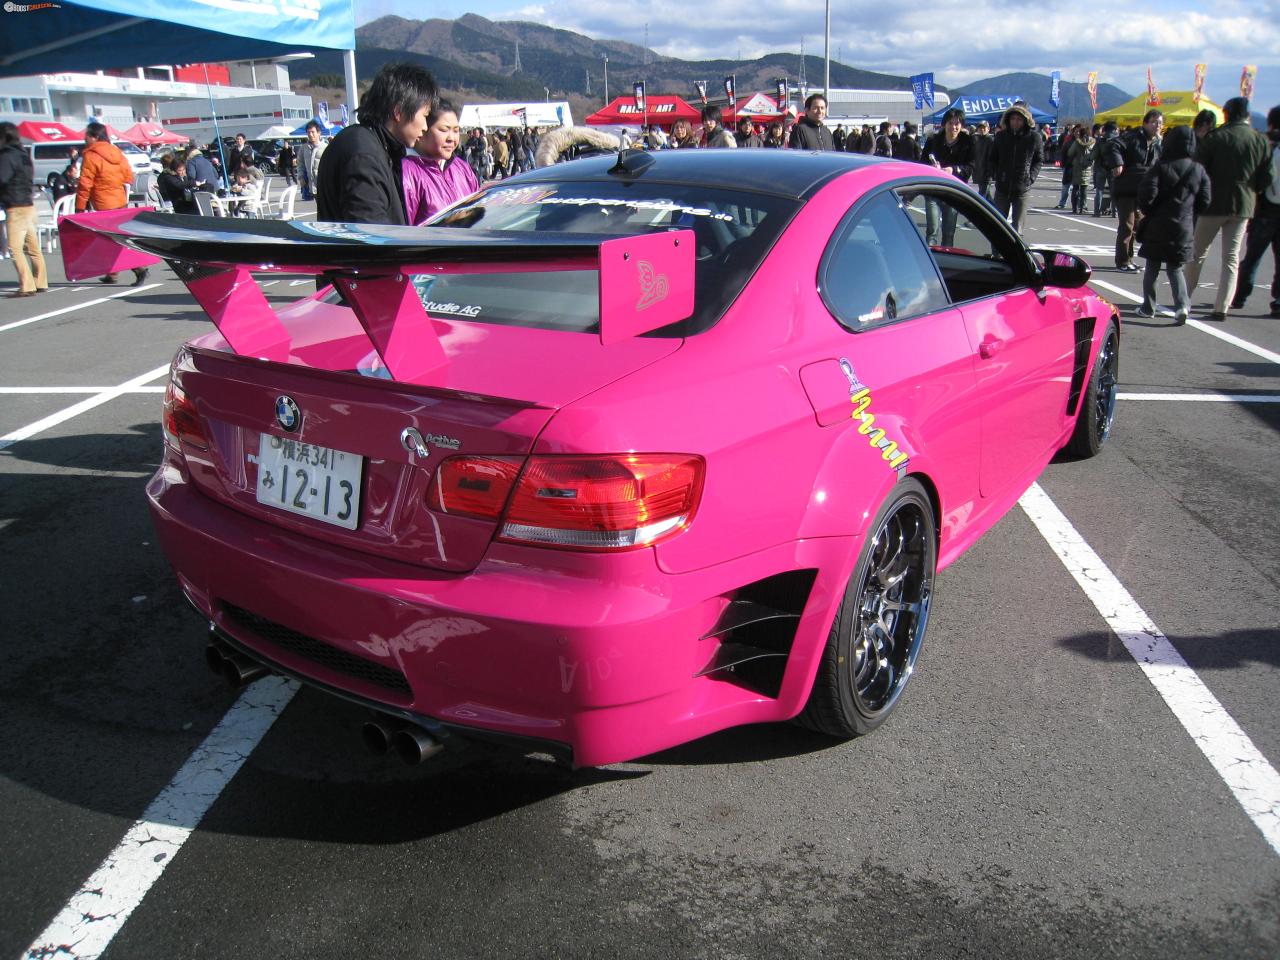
<point>653,285</point>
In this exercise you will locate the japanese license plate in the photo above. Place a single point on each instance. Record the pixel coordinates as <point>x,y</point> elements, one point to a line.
<point>311,480</point>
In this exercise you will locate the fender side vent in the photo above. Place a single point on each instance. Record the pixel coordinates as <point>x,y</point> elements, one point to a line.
<point>1084,343</point>
<point>756,631</point>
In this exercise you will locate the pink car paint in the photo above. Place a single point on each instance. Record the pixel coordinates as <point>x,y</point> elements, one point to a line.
<point>611,654</point>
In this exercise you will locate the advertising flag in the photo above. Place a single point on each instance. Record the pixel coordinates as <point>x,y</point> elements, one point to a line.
<point>1201,69</point>
<point>642,104</point>
<point>346,116</point>
<point>1153,95</point>
<point>922,89</point>
<point>1093,89</point>
<point>701,87</point>
<point>1055,98</point>
<point>1247,76</point>
<point>523,116</point>
<point>728,89</point>
<point>782,94</point>
<point>322,113</point>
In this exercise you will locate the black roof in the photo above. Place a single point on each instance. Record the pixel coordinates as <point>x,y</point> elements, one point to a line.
<point>785,173</point>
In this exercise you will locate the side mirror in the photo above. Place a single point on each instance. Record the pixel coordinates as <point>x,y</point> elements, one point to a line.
<point>1062,269</point>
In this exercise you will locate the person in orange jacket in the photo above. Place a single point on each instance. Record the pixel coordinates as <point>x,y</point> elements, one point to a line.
<point>105,176</point>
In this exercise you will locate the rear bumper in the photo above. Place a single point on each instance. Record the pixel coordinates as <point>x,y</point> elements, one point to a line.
<point>598,653</point>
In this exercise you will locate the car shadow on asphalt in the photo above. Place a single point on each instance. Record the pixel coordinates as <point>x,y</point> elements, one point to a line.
<point>1232,650</point>
<point>751,744</point>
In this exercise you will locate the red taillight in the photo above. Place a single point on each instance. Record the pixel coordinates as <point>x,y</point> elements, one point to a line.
<point>181,421</point>
<point>474,486</point>
<point>593,503</point>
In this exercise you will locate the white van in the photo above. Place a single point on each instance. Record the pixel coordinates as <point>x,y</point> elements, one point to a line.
<point>49,159</point>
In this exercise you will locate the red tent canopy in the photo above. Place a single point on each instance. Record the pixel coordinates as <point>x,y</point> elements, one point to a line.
<point>48,131</point>
<point>112,132</point>
<point>663,109</point>
<point>151,133</point>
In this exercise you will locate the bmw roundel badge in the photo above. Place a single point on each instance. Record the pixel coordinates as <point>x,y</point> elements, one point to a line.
<point>287,413</point>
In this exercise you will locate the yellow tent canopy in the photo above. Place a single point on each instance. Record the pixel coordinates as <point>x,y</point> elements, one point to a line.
<point>1177,106</point>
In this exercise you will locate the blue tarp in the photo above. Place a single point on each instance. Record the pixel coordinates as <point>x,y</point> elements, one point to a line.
<point>327,129</point>
<point>88,35</point>
<point>989,107</point>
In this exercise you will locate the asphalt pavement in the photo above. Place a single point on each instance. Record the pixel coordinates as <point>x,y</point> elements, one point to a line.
<point>1039,794</point>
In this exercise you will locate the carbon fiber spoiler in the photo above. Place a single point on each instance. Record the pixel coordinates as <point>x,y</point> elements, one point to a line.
<point>646,280</point>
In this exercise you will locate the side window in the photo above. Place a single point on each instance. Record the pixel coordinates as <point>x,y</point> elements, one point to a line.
<point>975,257</point>
<point>876,270</point>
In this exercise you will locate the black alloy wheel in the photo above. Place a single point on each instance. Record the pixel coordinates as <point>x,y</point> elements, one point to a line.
<point>879,629</point>
<point>1097,412</point>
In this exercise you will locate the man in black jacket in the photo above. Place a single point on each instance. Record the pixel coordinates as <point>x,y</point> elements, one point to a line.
<point>360,179</point>
<point>810,133</point>
<point>1017,154</point>
<point>1129,158</point>
<point>982,144</point>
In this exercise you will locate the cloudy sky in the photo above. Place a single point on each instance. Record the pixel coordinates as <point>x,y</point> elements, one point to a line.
<point>959,40</point>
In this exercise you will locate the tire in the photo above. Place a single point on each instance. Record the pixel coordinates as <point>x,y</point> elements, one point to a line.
<point>1098,403</point>
<point>878,631</point>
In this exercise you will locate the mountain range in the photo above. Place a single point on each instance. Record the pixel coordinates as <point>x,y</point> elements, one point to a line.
<point>477,60</point>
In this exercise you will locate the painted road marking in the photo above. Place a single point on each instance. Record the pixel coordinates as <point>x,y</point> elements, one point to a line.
<point>1241,765</point>
<point>96,912</point>
<point>25,433</point>
<point>1103,222</point>
<point>158,389</point>
<point>1197,324</point>
<point>80,306</point>
<point>1204,397</point>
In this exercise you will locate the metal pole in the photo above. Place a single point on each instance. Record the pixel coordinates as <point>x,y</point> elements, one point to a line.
<point>349,64</point>
<point>606,81</point>
<point>217,133</point>
<point>826,81</point>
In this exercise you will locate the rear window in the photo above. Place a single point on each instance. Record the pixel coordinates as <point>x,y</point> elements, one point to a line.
<point>734,231</point>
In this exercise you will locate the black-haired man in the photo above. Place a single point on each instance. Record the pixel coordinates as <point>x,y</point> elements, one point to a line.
<point>1129,158</point>
<point>359,180</point>
<point>1264,228</point>
<point>810,132</point>
<point>1238,161</point>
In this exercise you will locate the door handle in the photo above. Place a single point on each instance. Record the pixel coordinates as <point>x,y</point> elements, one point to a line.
<point>990,347</point>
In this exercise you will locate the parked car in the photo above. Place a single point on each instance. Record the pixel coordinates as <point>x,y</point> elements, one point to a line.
<point>48,160</point>
<point>619,452</point>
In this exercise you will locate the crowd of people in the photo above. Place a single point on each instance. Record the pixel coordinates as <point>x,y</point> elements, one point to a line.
<point>1172,192</point>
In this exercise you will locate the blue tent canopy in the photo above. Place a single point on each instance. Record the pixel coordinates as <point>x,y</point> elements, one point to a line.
<point>989,107</point>
<point>99,34</point>
<point>326,129</point>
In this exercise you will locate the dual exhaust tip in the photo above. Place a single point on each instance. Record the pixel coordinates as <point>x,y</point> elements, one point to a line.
<point>381,735</point>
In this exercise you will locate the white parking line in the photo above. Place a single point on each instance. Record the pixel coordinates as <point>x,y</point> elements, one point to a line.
<point>159,389</point>
<point>1104,223</point>
<point>1197,324</point>
<point>1241,765</point>
<point>80,306</point>
<point>1204,397</point>
<point>25,433</point>
<point>95,913</point>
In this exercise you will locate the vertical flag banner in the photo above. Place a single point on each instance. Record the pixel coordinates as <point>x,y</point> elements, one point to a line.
<point>641,103</point>
<point>922,89</point>
<point>728,89</point>
<point>322,112</point>
<point>346,116</point>
<point>1093,89</point>
<point>701,87</point>
<point>1247,76</point>
<point>1153,95</point>
<point>523,116</point>
<point>782,94</point>
<point>1201,69</point>
<point>1055,98</point>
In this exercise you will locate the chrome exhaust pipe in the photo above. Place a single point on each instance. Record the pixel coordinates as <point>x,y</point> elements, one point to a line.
<point>415,745</point>
<point>239,670</point>
<point>377,737</point>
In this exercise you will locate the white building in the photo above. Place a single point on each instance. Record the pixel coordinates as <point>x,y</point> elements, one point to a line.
<point>252,96</point>
<point>848,107</point>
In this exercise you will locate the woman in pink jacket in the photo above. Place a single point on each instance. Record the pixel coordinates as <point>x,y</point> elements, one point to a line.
<point>438,176</point>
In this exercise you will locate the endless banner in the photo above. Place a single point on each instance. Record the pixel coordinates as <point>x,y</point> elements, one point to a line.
<point>1055,99</point>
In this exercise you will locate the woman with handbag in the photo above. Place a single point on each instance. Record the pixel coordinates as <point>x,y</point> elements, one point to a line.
<point>1171,194</point>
